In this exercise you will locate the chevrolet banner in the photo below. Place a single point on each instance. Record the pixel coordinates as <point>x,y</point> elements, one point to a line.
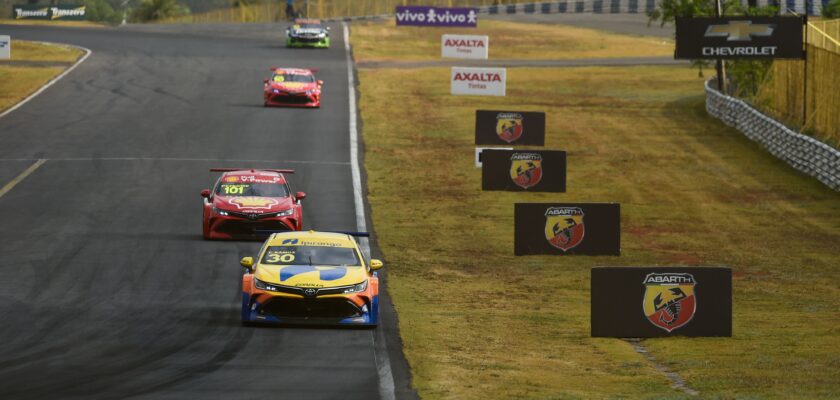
<point>739,37</point>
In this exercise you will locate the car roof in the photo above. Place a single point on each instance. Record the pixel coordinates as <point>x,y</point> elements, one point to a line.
<point>293,71</point>
<point>314,237</point>
<point>259,174</point>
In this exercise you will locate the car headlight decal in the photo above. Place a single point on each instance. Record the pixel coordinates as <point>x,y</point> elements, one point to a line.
<point>220,212</point>
<point>286,213</point>
<point>360,287</point>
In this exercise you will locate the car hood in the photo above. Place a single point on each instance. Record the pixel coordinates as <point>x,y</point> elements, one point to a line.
<point>294,86</point>
<point>310,276</point>
<point>252,204</point>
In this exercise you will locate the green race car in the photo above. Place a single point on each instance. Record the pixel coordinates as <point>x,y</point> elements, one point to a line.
<point>308,33</point>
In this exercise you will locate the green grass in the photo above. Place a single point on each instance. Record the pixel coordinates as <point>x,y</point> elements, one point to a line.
<point>17,82</point>
<point>377,41</point>
<point>479,323</point>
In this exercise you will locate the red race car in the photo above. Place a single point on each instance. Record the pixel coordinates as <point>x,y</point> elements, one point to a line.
<point>251,204</point>
<point>292,87</point>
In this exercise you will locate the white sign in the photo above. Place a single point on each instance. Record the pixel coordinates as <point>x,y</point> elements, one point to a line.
<point>478,81</point>
<point>5,47</point>
<point>478,151</point>
<point>464,46</point>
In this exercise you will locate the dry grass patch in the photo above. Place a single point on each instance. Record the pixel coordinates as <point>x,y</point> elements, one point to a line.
<point>17,82</point>
<point>381,41</point>
<point>479,323</point>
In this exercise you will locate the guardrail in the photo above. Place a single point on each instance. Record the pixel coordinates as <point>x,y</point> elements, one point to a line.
<point>802,152</point>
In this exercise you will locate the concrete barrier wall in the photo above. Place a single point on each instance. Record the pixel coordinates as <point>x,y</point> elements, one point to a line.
<point>802,152</point>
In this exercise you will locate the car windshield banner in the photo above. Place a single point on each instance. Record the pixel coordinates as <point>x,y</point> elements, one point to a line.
<point>739,37</point>
<point>523,170</point>
<point>509,127</point>
<point>567,229</point>
<point>436,16</point>
<point>64,12</point>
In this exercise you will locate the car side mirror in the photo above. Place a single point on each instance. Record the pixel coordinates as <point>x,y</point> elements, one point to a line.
<point>300,195</point>
<point>376,264</point>
<point>205,193</point>
<point>247,262</point>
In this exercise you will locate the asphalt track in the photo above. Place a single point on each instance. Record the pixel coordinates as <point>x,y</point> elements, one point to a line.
<point>107,289</point>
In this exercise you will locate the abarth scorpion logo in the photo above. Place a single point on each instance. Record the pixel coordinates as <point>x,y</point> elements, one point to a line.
<point>509,126</point>
<point>669,301</point>
<point>564,227</point>
<point>526,169</point>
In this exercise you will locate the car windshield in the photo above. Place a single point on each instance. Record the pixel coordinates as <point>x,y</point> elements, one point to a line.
<point>310,255</point>
<point>292,78</point>
<point>252,189</point>
<point>309,26</point>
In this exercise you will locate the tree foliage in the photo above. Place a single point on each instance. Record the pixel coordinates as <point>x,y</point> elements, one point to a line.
<point>832,9</point>
<point>153,10</point>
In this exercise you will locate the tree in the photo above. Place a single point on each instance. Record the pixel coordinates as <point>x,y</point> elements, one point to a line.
<point>831,10</point>
<point>153,10</point>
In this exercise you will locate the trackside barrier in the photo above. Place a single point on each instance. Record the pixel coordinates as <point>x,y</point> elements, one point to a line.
<point>802,152</point>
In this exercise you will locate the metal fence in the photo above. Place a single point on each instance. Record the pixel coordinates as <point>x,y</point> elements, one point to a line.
<point>806,93</point>
<point>802,152</point>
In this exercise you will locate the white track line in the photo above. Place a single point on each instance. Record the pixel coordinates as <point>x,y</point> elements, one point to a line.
<point>9,186</point>
<point>380,353</point>
<point>87,51</point>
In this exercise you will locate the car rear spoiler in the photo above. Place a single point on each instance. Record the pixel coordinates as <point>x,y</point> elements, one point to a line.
<point>281,171</point>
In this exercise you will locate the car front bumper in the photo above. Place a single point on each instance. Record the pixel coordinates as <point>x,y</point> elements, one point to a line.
<point>316,43</point>
<point>264,307</point>
<point>233,227</point>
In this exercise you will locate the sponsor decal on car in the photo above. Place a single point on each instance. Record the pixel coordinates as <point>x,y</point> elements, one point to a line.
<point>564,227</point>
<point>253,202</point>
<point>526,169</point>
<point>670,301</point>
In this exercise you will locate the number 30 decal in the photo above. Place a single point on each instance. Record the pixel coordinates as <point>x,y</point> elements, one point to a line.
<point>274,258</point>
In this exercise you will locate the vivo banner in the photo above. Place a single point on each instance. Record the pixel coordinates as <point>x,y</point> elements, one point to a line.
<point>478,81</point>
<point>436,16</point>
<point>464,46</point>
<point>5,47</point>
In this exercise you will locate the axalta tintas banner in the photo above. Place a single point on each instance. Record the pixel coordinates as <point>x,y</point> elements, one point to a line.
<point>5,47</point>
<point>64,12</point>
<point>464,46</point>
<point>478,81</point>
<point>436,16</point>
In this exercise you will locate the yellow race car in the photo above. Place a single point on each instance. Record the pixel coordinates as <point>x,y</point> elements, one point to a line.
<point>310,277</point>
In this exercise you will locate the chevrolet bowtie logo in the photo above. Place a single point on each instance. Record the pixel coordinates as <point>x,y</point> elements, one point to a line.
<point>739,30</point>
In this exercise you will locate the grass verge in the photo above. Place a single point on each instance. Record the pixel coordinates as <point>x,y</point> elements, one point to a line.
<point>17,82</point>
<point>479,323</point>
<point>378,41</point>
